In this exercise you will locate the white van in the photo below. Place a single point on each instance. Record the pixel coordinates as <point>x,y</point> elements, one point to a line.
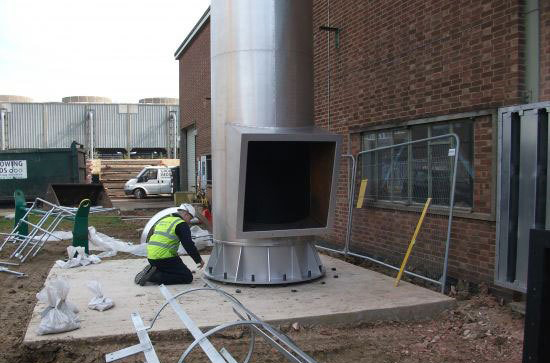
<point>152,180</point>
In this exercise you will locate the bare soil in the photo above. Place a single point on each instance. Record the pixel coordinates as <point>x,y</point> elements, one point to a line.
<point>479,329</point>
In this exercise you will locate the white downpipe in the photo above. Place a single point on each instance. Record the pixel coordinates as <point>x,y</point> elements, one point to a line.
<point>90,117</point>
<point>3,127</point>
<point>174,120</point>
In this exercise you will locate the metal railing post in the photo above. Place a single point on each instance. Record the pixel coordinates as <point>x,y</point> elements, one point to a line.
<point>351,191</point>
<point>451,208</point>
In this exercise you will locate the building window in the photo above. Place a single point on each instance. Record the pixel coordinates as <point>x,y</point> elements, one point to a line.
<point>412,173</point>
<point>205,168</point>
<point>209,169</point>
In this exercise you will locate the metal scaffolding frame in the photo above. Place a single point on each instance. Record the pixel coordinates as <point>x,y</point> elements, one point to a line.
<point>29,245</point>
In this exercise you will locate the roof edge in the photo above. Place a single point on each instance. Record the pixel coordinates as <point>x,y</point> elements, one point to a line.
<point>189,38</point>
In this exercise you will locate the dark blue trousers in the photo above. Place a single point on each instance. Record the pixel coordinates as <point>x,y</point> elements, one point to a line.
<point>171,271</point>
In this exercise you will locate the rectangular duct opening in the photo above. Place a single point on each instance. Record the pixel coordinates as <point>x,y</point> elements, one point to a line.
<point>288,185</point>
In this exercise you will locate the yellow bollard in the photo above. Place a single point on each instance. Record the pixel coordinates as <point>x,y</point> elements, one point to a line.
<point>413,240</point>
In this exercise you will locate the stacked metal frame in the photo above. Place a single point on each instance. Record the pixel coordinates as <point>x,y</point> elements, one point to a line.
<point>49,218</point>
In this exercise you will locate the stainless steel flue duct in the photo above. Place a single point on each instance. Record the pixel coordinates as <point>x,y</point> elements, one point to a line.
<point>273,172</point>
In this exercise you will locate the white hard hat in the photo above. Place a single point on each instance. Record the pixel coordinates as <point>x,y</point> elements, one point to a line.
<point>188,208</point>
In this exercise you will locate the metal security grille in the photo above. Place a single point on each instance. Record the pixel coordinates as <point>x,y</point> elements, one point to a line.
<point>384,215</point>
<point>523,190</point>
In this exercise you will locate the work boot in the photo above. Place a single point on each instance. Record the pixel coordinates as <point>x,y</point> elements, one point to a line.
<point>144,275</point>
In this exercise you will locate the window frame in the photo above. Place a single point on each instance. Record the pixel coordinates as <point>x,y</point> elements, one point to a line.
<point>208,169</point>
<point>409,199</point>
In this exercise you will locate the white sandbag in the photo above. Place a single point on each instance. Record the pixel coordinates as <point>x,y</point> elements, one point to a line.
<point>77,257</point>
<point>98,302</point>
<point>59,316</point>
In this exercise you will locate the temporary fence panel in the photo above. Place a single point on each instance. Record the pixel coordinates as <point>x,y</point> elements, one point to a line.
<point>399,178</point>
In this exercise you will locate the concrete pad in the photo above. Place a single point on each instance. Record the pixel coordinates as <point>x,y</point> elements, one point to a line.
<point>356,295</point>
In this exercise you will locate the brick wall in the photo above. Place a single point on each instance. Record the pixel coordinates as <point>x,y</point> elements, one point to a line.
<point>400,61</point>
<point>385,231</point>
<point>544,94</point>
<point>194,83</point>
<point>408,60</point>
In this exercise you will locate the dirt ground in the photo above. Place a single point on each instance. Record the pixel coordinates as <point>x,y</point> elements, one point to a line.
<point>479,329</point>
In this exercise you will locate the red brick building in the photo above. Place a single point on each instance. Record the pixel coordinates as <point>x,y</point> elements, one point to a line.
<point>388,72</point>
<point>194,80</point>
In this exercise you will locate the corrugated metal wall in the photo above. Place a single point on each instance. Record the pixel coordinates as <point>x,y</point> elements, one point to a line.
<point>111,127</point>
<point>152,127</point>
<point>55,125</point>
<point>65,123</point>
<point>24,126</point>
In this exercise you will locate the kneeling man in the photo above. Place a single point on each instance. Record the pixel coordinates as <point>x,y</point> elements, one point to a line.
<point>165,266</point>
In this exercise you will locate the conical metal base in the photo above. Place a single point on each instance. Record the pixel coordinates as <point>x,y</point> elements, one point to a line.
<point>264,265</point>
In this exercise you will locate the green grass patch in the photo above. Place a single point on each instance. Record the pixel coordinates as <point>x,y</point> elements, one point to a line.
<point>103,223</point>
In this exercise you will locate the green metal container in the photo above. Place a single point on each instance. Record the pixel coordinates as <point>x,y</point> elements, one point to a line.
<point>32,170</point>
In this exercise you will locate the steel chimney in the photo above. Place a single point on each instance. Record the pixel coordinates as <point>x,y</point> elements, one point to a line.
<point>274,173</point>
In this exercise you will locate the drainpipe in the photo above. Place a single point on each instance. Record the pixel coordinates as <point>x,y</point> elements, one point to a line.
<point>174,121</point>
<point>90,119</point>
<point>3,127</point>
<point>328,67</point>
<point>532,50</point>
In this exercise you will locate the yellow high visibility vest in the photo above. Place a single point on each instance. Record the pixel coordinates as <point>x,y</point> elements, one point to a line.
<point>164,242</point>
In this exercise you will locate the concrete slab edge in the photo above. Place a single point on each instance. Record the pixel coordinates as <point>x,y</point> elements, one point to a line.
<point>402,313</point>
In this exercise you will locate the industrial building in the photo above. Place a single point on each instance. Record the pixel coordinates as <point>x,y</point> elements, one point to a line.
<point>147,129</point>
<point>393,72</point>
<point>363,180</point>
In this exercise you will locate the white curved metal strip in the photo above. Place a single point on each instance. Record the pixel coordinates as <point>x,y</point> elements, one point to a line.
<point>157,217</point>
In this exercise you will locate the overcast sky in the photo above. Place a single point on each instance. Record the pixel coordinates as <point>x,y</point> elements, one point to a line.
<point>122,49</point>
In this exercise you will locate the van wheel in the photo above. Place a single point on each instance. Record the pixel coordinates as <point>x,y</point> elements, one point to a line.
<point>139,193</point>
